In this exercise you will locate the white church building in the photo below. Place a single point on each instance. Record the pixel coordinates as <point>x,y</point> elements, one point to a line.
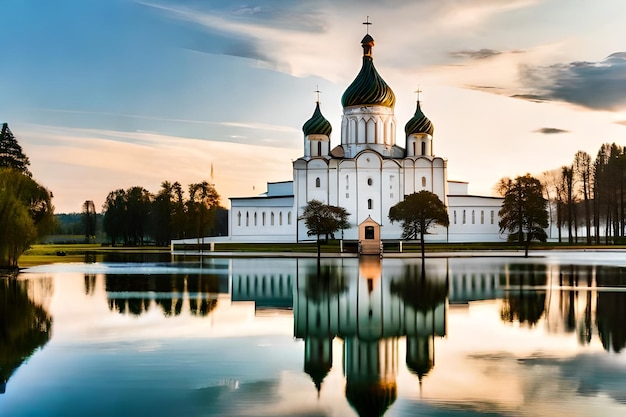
<point>367,174</point>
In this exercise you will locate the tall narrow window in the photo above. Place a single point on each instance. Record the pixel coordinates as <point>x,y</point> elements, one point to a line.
<point>272,219</point>
<point>280,218</point>
<point>414,149</point>
<point>464,219</point>
<point>482,217</point>
<point>238,218</point>
<point>263,219</point>
<point>423,181</point>
<point>317,182</point>
<point>423,148</point>
<point>491,216</point>
<point>454,216</point>
<point>370,181</point>
<point>247,219</point>
<point>255,219</point>
<point>319,148</point>
<point>289,217</point>
<point>473,218</point>
<point>369,203</point>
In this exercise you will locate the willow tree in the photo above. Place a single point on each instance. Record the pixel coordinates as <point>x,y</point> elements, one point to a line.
<point>26,214</point>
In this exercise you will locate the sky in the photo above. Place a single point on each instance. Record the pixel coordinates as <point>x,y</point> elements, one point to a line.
<point>109,94</point>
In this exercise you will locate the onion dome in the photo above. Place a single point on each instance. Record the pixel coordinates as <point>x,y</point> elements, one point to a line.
<point>419,123</point>
<point>368,88</point>
<point>371,400</point>
<point>317,124</point>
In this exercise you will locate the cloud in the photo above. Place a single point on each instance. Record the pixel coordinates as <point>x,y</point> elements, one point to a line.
<point>595,85</point>
<point>477,54</point>
<point>551,130</point>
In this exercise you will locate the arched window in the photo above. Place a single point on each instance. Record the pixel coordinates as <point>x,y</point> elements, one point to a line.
<point>280,218</point>
<point>423,148</point>
<point>238,218</point>
<point>423,181</point>
<point>482,217</point>
<point>369,203</point>
<point>414,148</point>
<point>464,219</point>
<point>473,217</point>
<point>318,182</point>
<point>319,148</point>
<point>491,216</point>
<point>255,219</point>
<point>369,232</point>
<point>370,181</point>
<point>263,219</point>
<point>272,219</point>
<point>454,216</point>
<point>288,217</point>
<point>247,219</point>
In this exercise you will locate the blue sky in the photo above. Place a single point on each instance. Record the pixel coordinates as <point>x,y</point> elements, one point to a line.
<point>106,94</point>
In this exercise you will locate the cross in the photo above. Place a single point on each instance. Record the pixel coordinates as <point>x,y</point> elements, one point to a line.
<point>317,93</point>
<point>418,91</point>
<point>367,24</point>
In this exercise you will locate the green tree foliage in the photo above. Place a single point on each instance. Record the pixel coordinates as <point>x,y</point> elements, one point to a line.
<point>135,216</point>
<point>524,210</point>
<point>11,155</point>
<point>417,213</point>
<point>26,214</point>
<point>322,220</point>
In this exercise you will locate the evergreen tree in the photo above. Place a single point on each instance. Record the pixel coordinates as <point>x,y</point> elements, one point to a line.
<point>11,155</point>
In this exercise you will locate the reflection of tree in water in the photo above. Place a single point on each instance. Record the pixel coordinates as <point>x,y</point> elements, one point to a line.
<point>611,308</point>
<point>525,306</point>
<point>90,284</point>
<point>133,294</point>
<point>24,327</point>
<point>416,290</point>
<point>323,283</point>
<point>423,294</point>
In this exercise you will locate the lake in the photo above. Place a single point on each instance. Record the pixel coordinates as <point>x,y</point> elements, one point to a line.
<point>457,336</point>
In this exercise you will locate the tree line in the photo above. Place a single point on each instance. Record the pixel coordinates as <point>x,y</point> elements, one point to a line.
<point>588,197</point>
<point>135,216</point>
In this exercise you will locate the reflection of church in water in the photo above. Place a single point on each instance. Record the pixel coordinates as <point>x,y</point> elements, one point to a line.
<point>371,312</point>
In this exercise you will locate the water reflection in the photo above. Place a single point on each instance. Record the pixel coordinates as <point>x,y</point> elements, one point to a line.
<point>370,311</point>
<point>25,326</point>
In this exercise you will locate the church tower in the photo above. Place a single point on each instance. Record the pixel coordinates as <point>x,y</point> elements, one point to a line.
<point>317,134</point>
<point>419,134</point>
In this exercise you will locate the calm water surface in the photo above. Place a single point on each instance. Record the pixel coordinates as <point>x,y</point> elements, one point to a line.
<point>283,337</point>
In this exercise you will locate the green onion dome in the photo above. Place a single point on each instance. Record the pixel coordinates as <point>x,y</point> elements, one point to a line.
<point>317,124</point>
<point>368,88</point>
<point>419,123</point>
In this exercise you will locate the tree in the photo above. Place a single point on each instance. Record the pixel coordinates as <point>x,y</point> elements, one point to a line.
<point>202,206</point>
<point>418,212</point>
<point>323,219</point>
<point>11,155</point>
<point>524,213</point>
<point>583,170</point>
<point>89,220</point>
<point>26,214</point>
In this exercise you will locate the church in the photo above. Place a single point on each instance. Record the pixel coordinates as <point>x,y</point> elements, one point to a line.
<point>367,174</point>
